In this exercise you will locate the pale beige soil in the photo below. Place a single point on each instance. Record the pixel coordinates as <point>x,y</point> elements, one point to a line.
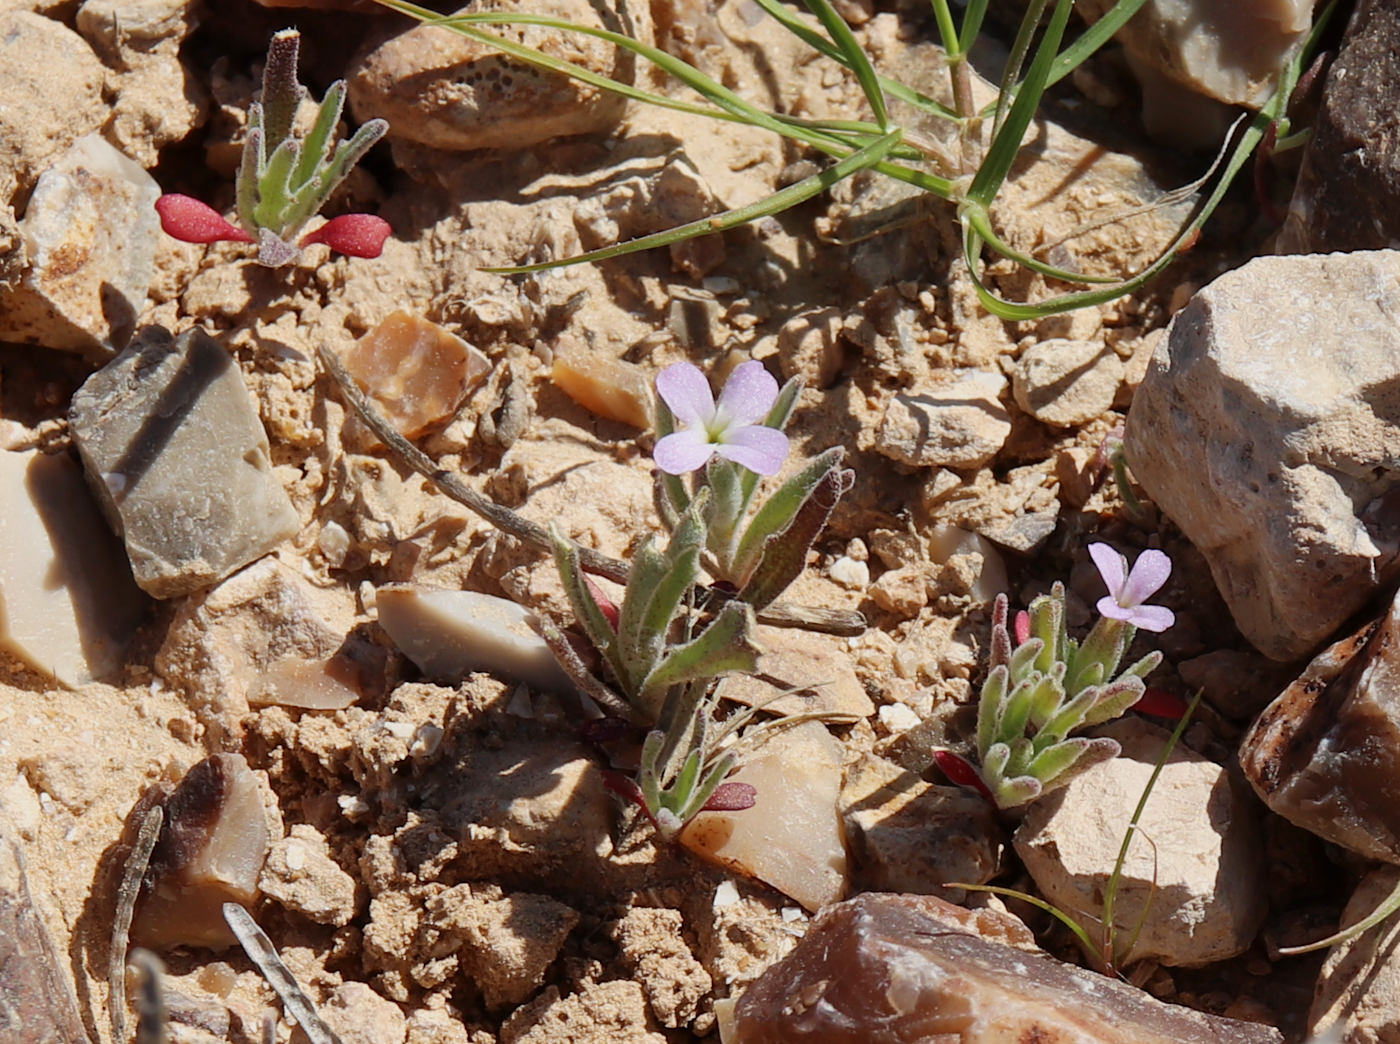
<point>560,920</point>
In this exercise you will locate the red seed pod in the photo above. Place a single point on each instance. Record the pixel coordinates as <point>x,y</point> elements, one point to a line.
<point>960,772</point>
<point>731,797</point>
<point>191,221</point>
<point>358,235</point>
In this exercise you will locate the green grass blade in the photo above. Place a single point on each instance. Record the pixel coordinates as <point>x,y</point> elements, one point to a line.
<point>1007,142</point>
<point>947,31</point>
<point>856,59</point>
<point>794,24</point>
<point>773,204</point>
<point>978,218</point>
<point>1015,60</point>
<point>1040,904</point>
<point>972,24</point>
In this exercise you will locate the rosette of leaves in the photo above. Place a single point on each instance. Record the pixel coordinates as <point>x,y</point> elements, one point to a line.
<point>756,552</point>
<point>1045,689</point>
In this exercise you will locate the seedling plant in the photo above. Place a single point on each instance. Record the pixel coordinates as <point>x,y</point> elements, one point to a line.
<point>285,179</point>
<point>662,650</point>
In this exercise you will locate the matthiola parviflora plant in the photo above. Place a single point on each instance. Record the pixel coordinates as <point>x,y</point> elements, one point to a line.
<point>1048,686</point>
<point>662,651</point>
<point>285,179</point>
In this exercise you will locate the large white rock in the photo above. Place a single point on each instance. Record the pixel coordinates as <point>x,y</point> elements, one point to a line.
<point>1192,875</point>
<point>1267,429</point>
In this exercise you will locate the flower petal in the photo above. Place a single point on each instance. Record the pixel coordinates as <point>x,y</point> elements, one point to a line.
<point>1156,618</point>
<point>682,451</point>
<point>1112,567</point>
<point>192,221</point>
<point>1108,606</point>
<point>1150,572</point>
<point>686,392</point>
<point>749,394</point>
<point>754,447</point>
<point>357,235</point>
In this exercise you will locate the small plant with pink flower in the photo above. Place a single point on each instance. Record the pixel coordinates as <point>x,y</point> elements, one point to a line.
<point>1047,687</point>
<point>659,654</point>
<point>284,179</point>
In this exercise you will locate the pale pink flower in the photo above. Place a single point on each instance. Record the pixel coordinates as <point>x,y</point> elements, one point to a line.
<point>732,428</point>
<point>1127,591</point>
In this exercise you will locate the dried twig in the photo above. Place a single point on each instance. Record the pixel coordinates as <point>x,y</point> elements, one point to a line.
<point>261,952</point>
<point>829,621</point>
<point>130,888</point>
<point>151,1020</point>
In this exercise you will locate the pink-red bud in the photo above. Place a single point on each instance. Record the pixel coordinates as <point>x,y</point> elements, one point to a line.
<point>1161,704</point>
<point>732,797</point>
<point>190,221</point>
<point>1023,627</point>
<point>358,235</point>
<point>606,605</point>
<point>960,772</point>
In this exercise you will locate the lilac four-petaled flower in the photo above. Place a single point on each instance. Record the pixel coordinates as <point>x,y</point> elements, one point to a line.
<point>1128,590</point>
<point>732,428</point>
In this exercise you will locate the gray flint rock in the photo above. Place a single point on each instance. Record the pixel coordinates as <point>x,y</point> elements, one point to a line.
<point>172,442</point>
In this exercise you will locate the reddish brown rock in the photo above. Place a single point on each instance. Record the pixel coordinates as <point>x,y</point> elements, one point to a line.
<point>1326,753</point>
<point>914,970</point>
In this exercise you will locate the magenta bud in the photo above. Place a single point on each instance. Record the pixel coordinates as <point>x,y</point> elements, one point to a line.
<point>358,235</point>
<point>190,221</point>
<point>731,797</point>
<point>960,772</point>
<point>1023,627</point>
<point>1161,704</point>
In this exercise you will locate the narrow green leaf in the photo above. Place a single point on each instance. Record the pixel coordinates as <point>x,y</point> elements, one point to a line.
<point>1022,751</point>
<point>785,553</point>
<point>249,166</point>
<point>595,625</point>
<point>1023,659</point>
<point>1007,142</point>
<point>977,218</point>
<point>1017,791</point>
<point>1015,59</point>
<point>316,146</point>
<point>1040,904</point>
<point>1016,712</point>
<point>675,498</point>
<point>635,647</point>
<point>779,201</point>
<point>648,778</point>
<point>1114,700</point>
<point>281,91</point>
<point>990,704</point>
<point>856,59</point>
<point>724,646</point>
<point>779,510</point>
<point>971,24</point>
<point>274,194</point>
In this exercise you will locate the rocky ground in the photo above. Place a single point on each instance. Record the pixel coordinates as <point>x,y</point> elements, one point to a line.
<point>444,861</point>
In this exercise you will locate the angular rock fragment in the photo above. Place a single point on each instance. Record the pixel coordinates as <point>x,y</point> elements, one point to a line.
<point>791,838</point>
<point>417,372</point>
<point>910,836</point>
<point>264,636</point>
<point>1357,998</point>
<point>1325,754</point>
<point>300,874</point>
<point>1265,428</point>
<point>91,232</point>
<point>1196,887</point>
<point>612,1012</point>
<point>1231,52</point>
<point>68,604</point>
<point>37,1003</point>
<point>915,969</point>
<point>800,672</point>
<point>608,387</point>
<point>171,439</point>
<point>957,421</point>
<point>1348,191</point>
<point>1063,383</point>
<point>210,851</point>
<point>653,946</point>
<point>440,89</point>
<point>449,634</point>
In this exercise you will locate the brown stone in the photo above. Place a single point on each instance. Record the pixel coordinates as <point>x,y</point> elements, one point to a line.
<point>611,388</point>
<point>1325,754</point>
<point>417,372</point>
<point>915,969</point>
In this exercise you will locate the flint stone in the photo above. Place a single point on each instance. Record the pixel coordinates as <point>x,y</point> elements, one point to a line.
<point>90,232</point>
<point>913,969</point>
<point>1357,999</point>
<point>449,634</point>
<point>955,422</point>
<point>1325,754</point>
<point>1348,191</point>
<point>68,604</point>
<point>1198,883</point>
<point>440,89</point>
<point>36,995</point>
<point>1266,430</point>
<point>172,442</point>
<point>1064,383</point>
